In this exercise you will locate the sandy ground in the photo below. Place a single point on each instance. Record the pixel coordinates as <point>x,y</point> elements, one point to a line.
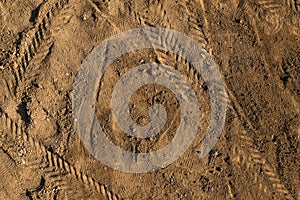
<point>256,47</point>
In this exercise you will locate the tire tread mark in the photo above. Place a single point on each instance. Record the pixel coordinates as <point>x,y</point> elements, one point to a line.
<point>54,160</point>
<point>30,44</point>
<point>293,4</point>
<point>255,156</point>
<point>244,8</point>
<point>244,161</point>
<point>7,87</point>
<point>196,31</point>
<point>10,182</point>
<point>206,27</point>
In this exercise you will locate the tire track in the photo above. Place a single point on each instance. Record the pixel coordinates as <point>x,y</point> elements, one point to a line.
<point>293,4</point>
<point>248,157</point>
<point>247,142</point>
<point>255,156</point>
<point>31,42</point>
<point>12,132</point>
<point>206,27</point>
<point>28,53</point>
<point>257,159</point>
<point>29,48</point>
<point>3,14</point>
<point>196,32</point>
<point>11,187</point>
<point>196,24</point>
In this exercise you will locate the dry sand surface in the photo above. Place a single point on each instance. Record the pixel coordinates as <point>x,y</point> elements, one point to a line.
<point>255,46</point>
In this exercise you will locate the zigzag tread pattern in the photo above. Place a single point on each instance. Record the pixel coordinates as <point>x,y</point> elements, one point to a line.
<point>9,181</point>
<point>29,48</point>
<point>255,156</point>
<point>196,32</point>
<point>31,43</point>
<point>293,4</point>
<point>59,162</point>
<point>53,160</point>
